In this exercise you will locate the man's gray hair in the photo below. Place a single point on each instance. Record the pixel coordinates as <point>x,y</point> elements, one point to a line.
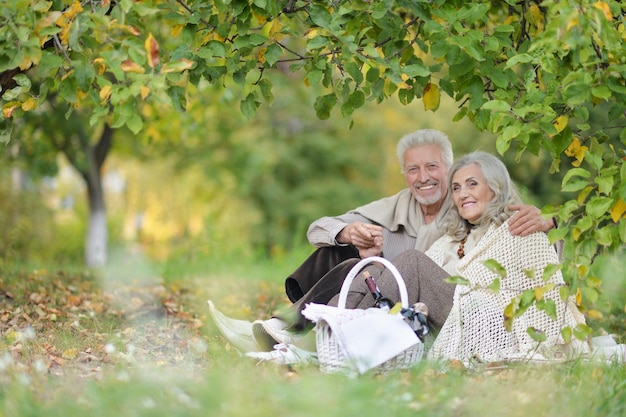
<point>426,137</point>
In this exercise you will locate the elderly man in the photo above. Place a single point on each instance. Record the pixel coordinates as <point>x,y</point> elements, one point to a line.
<point>386,227</point>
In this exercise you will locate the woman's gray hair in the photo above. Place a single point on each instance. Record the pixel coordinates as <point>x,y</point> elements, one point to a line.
<point>425,137</point>
<point>498,180</point>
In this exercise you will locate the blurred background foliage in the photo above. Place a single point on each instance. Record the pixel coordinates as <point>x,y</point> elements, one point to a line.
<point>209,187</point>
<point>211,177</point>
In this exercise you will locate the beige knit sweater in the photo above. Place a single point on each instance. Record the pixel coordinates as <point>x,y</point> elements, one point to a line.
<point>475,329</point>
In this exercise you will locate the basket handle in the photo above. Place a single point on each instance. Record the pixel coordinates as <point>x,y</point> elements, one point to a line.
<point>343,294</point>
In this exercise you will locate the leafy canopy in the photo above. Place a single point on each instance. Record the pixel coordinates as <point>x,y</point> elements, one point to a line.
<point>532,72</point>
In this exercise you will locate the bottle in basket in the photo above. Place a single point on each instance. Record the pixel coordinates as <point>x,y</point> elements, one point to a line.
<point>379,301</point>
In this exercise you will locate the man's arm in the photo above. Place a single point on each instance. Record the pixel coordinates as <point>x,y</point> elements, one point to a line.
<point>347,229</point>
<point>324,231</point>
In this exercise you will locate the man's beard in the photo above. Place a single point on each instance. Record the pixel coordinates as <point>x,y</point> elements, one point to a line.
<point>427,201</point>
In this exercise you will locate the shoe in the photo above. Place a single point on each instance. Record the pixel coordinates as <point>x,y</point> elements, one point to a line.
<point>286,354</point>
<point>268,333</point>
<point>236,332</point>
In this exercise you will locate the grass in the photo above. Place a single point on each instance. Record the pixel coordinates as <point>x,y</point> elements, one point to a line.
<point>136,341</point>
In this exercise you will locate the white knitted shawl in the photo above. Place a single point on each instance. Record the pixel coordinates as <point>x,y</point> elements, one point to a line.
<point>475,328</point>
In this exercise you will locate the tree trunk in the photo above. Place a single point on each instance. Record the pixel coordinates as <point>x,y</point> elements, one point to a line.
<point>97,234</point>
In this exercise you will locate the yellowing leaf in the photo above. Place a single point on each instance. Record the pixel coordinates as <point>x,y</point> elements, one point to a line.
<point>176,30</point>
<point>510,19</point>
<point>594,314</point>
<point>100,66</point>
<point>70,353</point>
<point>579,297</point>
<point>47,21</point>
<point>535,17</point>
<point>105,93</point>
<point>131,66</point>
<point>576,150</point>
<point>81,95</point>
<point>605,9</point>
<point>582,196</point>
<point>64,35</point>
<point>152,51</point>
<point>276,28</point>
<point>572,23</point>
<point>177,66</point>
<point>259,18</point>
<point>431,97</point>
<point>618,210</point>
<point>261,55</point>
<point>560,123</point>
<point>74,10</point>
<point>30,104</point>
<point>9,108</point>
<point>311,33</point>
<point>145,90</point>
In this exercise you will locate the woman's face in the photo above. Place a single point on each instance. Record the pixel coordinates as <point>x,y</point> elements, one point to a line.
<point>470,192</point>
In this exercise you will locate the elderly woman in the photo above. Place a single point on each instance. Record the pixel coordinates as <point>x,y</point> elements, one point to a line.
<point>476,232</point>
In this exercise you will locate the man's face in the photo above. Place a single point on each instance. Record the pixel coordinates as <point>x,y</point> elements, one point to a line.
<point>426,174</point>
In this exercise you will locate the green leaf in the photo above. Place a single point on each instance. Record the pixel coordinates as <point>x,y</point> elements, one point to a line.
<point>604,235</point>
<point>457,280</point>
<point>6,128</point>
<point>602,92</point>
<point>265,86</point>
<point>575,185</point>
<point>536,334</point>
<point>621,230</point>
<point>494,266</point>
<point>497,105</point>
<point>355,72</point>
<point>590,295</point>
<point>508,134</point>
<point>23,81</point>
<point>527,299</point>
<point>566,334</point>
<point>416,70</point>
<point>550,270</point>
<point>550,309</point>
<point>249,105</point>
<point>273,54</point>
<point>598,206</point>
<point>519,59</point>
<point>134,123</point>
<point>574,172</point>
<point>373,74</point>
<point>319,15</point>
<point>557,234</point>
<point>581,331</point>
<point>502,145</point>
<point>324,104</point>
<point>495,285</point>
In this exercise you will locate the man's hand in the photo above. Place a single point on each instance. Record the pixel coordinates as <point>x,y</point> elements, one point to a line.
<point>527,220</point>
<point>372,250</point>
<point>367,238</point>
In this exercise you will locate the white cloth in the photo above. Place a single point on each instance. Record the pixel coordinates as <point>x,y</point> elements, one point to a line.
<point>605,348</point>
<point>475,327</point>
<point>367,337</point>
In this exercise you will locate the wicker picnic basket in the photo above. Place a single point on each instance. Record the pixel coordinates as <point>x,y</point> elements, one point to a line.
<point>332,357</point>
